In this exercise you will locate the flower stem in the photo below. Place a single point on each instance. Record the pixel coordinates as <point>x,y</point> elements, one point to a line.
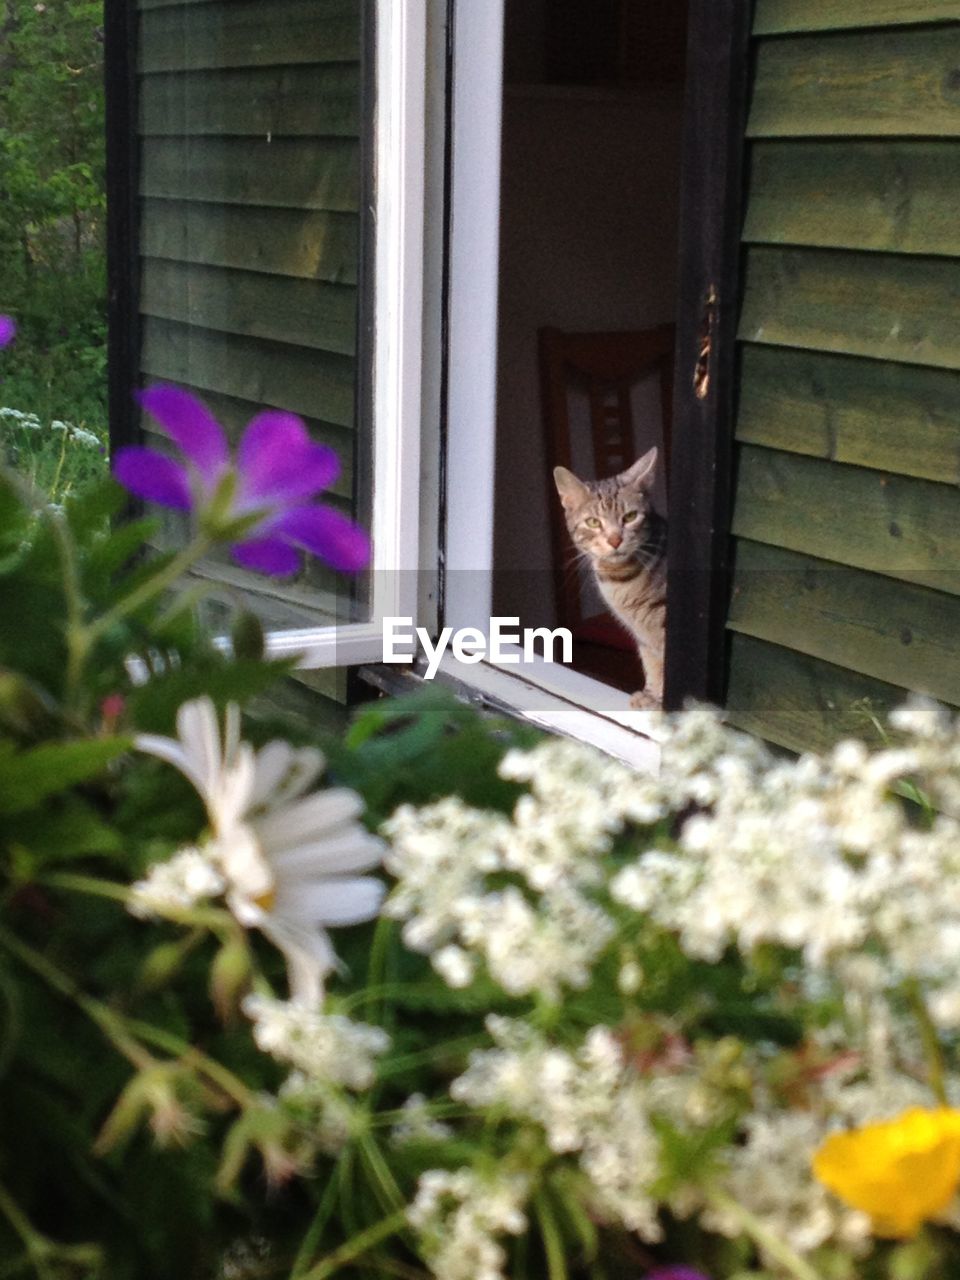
<point>357,1246</point>
<point>767,1240</point>
<point>73,596</point>
<point>435,1110</point>
<point>552,1240</point>
<point>377,970</point>
<point>213,918</point>
<point>153,586</point>
<point>124,1032</point>
<point>930,1041</point>
<point>87,884</point>
<point>110,1023</point>
<point>389,1193</point>
<point>229,1083</point>
<point>81,636</point>
<point>308,1246</point>
<point>34,1243</point>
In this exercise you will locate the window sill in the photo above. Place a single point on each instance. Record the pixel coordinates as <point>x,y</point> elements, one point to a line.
<point>549,695</point>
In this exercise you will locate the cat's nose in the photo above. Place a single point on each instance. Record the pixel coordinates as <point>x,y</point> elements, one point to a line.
<point>614,539</point>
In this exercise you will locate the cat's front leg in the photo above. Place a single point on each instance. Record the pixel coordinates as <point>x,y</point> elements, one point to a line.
<point>651,695</point>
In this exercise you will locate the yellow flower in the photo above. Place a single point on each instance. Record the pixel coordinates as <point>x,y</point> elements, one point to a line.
<point>901,1172</point>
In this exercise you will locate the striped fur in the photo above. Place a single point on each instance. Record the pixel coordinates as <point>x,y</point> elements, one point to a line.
<point>614,527</point>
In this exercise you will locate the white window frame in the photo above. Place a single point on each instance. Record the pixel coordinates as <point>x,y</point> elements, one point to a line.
<point>399,151</point>
<point>404,536</point>
<point>556,697</point>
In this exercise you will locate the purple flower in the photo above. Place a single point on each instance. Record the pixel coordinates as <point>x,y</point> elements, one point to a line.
<point>8,330</point>
<point>260,500</point>
<point>676,1273</point>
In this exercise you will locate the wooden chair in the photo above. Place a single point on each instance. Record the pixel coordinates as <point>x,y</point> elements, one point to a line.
<point>607,366</point>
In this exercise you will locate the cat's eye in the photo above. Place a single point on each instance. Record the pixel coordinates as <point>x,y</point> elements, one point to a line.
<point>630,515</point>
<point>592,523</point>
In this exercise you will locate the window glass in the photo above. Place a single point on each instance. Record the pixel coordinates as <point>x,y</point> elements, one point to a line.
<point>252,173</point>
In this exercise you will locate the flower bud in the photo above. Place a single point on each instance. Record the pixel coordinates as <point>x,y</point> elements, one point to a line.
<point>230,978</point>
<point>160,965</point>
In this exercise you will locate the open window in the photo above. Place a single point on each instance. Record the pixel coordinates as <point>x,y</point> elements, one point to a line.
<point>371,213</point>
<point>589,213</point>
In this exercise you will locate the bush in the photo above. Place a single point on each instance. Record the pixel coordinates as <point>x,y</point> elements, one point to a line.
<point>594,1024</point>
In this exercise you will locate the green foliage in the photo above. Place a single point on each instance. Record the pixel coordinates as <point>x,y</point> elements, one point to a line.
<point>52,237</point>
<point>75,804</point>
<point>106,1113</point>
<point>143,1132</point>
<point>419,748</point>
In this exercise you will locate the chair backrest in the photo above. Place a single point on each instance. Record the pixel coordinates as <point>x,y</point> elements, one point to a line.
<point>607,366</point>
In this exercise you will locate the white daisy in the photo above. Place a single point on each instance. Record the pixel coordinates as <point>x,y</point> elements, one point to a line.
<point>288,859</point>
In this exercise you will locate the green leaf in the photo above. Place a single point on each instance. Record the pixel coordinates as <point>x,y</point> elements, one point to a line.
<point>70,828</point>
<point>29,777</point>
<point>154,705</point>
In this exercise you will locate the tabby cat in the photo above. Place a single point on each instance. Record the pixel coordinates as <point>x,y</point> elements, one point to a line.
<point>614,526</point>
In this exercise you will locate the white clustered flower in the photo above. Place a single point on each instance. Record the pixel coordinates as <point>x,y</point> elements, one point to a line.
<point>877,1098</point>
<point>85,437</point>
<point>80,434</point>
<point>28,420</point>
<point>334,1116</point>
<point>537,947</point>
<point>327,1049</point>
<point>817,855</point>
<point>417,1124</point>
<point>455,966</point>
<point>588,1102</point>
<point>459,1216</point>
<point>288,859</point>
<point>440,856</point>
<point>546,934</point>
<point>769,1175</point>
<point>575,807</point>
<point>543,935</point>
<point>176,885</point>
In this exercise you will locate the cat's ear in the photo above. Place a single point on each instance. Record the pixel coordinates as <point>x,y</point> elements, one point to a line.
<point>640,475</point>
<point>571,490</point>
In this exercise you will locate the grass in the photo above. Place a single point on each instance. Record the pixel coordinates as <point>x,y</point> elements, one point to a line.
<point>53,415</point>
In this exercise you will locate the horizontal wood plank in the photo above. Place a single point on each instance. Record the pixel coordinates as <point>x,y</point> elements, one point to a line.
<point>888,83</point>
<point>280,101</point>
<point>773,17</point>
<point>284,242</point>
<point>892,196</point>
<point>240,33</point>
<point>892,631</point>
<point>871,413</point>
<point>307,313</point>
<point>283,603</point>
<point>803,703</point>
<point>890,308</point>
<point>901,527</point>
<point>169,4</point>
<point>235,414</point>
<point>312,383</point>
<point>285,173</point>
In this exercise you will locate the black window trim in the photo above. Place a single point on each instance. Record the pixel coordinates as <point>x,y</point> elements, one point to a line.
<point>702,452</point>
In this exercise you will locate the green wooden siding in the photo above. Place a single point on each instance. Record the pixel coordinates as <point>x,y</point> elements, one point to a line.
<point>250,191</point>
<point>846,520</point>
<point>774,17</point>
